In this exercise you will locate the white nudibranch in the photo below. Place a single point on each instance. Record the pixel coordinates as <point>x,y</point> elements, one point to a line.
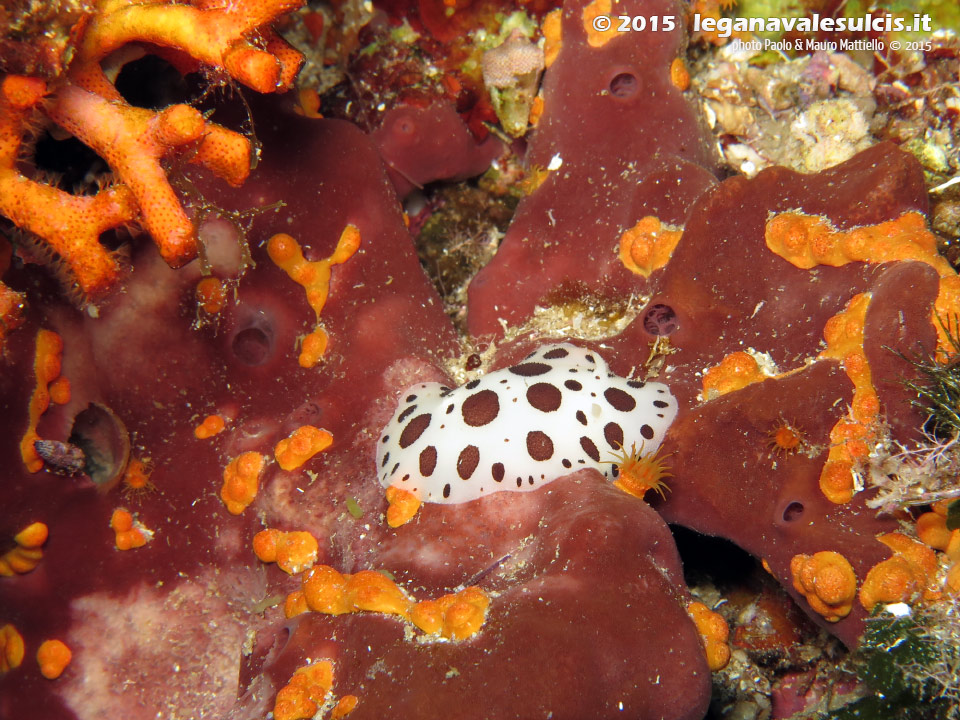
<point>556,412</point>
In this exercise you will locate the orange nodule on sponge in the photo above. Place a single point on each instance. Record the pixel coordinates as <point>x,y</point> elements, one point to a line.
<point>53,656</point>
<point>26,553</point>
<point>130,532</point>
<point>904,577</point>
<point>679,75</point>
<point>307,690</point>
<point>403,505</point>
<point>598,38</point>
<point>826,579</point>
<point>60,390</point>
<point>46,369</point>
<point>211,425</point>
<point>11,648</point>
<point>305,442</point>
<point>211,295</point>
<point>456,616</point>
<point>293,552</point>
<point>314,277</point>
<point>241,479</point>
<point>552,29</point>
<point>932,530</point>
<point>714,632</point>
<point>647,246</point>
<point>734,372</point>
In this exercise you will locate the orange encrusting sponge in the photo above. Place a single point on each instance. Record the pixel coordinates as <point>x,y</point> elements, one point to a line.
<point>241,480</point>
<point>826,579</point>
<point>46,369</point>
<point>851,437</point>
<point>647,246</point>
<point>27,551</point>
<point>810,240</point>
<point>293,552</point>
<point>455,616</point>
<point>714,632</point>
<point>303,443</point>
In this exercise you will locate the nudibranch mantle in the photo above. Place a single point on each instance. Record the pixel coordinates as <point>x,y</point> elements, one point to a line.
<point>558,411</point>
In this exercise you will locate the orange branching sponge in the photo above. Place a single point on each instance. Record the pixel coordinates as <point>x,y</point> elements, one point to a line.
<point>133,141</point>
<point>904,577</point>
<point>851,437</point>
<point>211,425</point>
<point>714,632</point>
<point>232,36</point>
<point>648,245</point>
<point>53,656</point>
<point>26,553</point>
<point>598,38</point>
<point>456,616</point>
<point>679,75</point>
<point>403,506</point>
<point>46,369</point>
<point>826,579</point>
<point>69,224</point>
<point>11,649</point>
<point>552,29</point>
<point>734,372</point>
<point>241,479</point>
<point>315,279</point>
<point>293,552</point>
<point>809,240</point>
<point>307,690</point>
<point>303,443</point>
<point>130,532</point>
<point>637,473</point>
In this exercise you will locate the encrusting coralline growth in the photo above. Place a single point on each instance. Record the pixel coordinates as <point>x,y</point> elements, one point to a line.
<point>256,563</point>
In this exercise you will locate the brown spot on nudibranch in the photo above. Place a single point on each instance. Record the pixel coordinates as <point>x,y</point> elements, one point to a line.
<point>428,460</point>
<point>497,471</point>
<point>619,399</point>
<point>530,369</point>
<point>414,430</point>
<point>544,397</point>
<point>589,448</point>
<point>556,354</point>
<point>481,408</point>
<point>539,445</point>
<point>613,434</point>
<point>467,461</point>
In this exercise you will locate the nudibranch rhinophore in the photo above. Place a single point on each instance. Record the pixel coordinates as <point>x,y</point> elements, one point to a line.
<point>556,412</point>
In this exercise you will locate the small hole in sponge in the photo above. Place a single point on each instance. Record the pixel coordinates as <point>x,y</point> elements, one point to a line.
<point>252,346</point>
<point>793,511</point>
<point>624,85</point>
<point>660,319</point>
